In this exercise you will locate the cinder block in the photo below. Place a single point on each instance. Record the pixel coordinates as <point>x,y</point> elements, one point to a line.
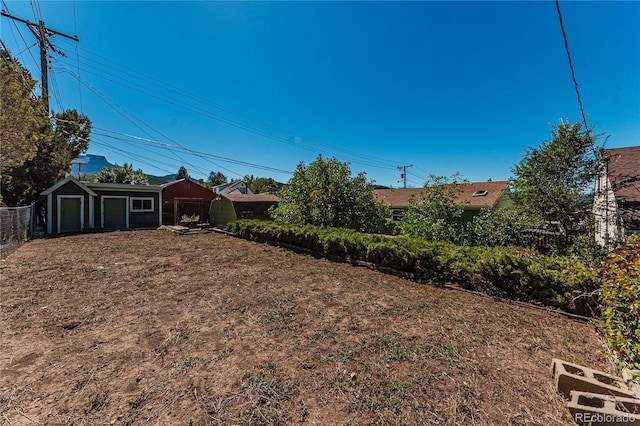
<point>604,410</point>
<point>628,377</point>
<point>570,377</point>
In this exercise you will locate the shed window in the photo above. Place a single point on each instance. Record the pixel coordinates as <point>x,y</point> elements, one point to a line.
<point>142,204</point>
<point>480,193</point>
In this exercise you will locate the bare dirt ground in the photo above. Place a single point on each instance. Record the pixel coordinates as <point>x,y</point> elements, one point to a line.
<point>137,328</point>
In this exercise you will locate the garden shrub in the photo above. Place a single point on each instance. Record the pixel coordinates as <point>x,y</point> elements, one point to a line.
<point>508,271</point>
<point>620,300</point>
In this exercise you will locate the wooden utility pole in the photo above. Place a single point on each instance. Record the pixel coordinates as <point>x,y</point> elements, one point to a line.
<point>403,175</point>
<point>42,34</point>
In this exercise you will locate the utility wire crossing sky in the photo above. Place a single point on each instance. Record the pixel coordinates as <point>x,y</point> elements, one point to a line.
<point>257,87</point>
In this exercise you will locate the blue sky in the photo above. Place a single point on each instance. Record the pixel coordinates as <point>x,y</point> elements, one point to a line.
<point>444,86</point>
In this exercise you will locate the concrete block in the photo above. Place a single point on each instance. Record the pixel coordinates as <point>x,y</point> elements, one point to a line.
<point>630,377</point>
<point>604,410</point>
<point>570,377</point>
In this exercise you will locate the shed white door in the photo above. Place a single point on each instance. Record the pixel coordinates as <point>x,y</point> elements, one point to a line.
<point>115,213</point>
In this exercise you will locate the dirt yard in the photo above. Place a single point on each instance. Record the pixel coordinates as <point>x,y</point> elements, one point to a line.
<point>137,328</point>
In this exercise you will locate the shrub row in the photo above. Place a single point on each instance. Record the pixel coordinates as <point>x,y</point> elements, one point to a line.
<point>620,298</point>
<point>506,271</point>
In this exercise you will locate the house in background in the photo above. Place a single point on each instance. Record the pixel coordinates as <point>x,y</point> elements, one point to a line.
<point>235,187</point>
<point>616,202</point>
<point>473,196</point>
<point>229,207</point>
<point>184,197</point>
<point>75,206</point>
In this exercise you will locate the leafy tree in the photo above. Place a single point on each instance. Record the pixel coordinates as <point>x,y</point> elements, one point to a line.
<point>552,181</point>
<point>217,178</point>
<point>435,216</point>
<point>499,227</point>
<point>182,173</point>
<point>124,174</point>
<point>324,194</point>
<point>22,119</point>
<point>59,143</point>
<point>202,182</point>
<point>261,185</point>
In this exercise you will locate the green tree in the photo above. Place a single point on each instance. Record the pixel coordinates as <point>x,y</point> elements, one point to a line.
<point>182,173</point>
<point>325,194</point>
<point>552,182</point>
<point>435,216</point>
<point>500,227</point>
<point>60,142</point>
<point>122,174</point>
<point>22,120</point>
<point>261,185</point>
<point>217,178</point>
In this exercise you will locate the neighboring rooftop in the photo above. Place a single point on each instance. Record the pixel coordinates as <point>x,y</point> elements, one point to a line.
<point>469,194</point>
<point>235,187</point>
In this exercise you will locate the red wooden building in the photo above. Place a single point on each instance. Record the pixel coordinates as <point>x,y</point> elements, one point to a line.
<point>183,198</point>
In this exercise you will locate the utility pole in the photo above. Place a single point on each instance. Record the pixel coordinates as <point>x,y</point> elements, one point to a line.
<point>79,162</point>
<point>403,175</point>
<point>42,34</point>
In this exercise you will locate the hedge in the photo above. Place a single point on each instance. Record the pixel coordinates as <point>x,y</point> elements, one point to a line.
<point>620,298</point>
<point>511,272</point>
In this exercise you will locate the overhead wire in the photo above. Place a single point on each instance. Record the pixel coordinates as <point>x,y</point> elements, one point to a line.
<point>21,36</point>
<point>148,142</point>
<point>573,73</point>
<point>131,118</point>
<point>56,91</point>
<point>354,156</point>
<point>219,118</point>
<point>192,151</point>
<point>347,154</point>
<point>416,175</point>
<point>75,30</point>
<point>35,7</point>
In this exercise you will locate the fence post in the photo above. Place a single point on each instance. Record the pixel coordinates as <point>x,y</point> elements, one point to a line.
<point>32,220</point>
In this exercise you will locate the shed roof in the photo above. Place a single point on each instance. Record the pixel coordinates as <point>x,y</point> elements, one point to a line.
<point>185,188</point>
<point>399,198</point>
<point>123,187</point>
<point>66,180</point>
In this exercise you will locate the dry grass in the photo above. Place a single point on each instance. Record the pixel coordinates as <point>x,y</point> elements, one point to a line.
<point>132,328</point>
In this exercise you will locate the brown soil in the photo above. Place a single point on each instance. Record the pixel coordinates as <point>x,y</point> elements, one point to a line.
<point>131,328</point>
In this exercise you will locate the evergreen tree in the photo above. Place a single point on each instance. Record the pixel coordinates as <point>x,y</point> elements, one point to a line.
<point>182,173</point>
<point>553,182</point>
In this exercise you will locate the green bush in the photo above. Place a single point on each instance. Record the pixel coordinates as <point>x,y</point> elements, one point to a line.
<point>621,304</point>
<point>508,271</point>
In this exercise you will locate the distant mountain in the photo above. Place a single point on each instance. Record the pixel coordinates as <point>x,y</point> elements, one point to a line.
<point>89,165</point>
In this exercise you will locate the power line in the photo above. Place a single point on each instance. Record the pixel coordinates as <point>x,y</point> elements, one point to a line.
<point>194,152</point>
<point>355,157</point>
<point>130,117</point>
<point>75,29</point>
<point>42,34</point>
<point>21,36</point>
<point>573,74</point>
